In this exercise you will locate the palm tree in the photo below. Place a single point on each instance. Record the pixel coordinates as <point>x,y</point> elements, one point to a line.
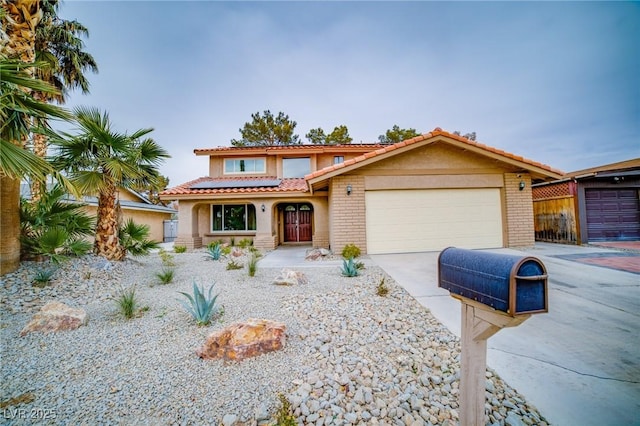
<point>99,161</point>
<point>19,19</point>
<point>58,44</point>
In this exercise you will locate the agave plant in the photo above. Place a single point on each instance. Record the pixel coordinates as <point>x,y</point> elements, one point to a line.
<point>200,307</point>
<point>214,251</point>
<point>42,277</point>
<point>350,268</point>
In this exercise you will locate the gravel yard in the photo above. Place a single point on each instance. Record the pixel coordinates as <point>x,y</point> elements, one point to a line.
<point>351,357</point>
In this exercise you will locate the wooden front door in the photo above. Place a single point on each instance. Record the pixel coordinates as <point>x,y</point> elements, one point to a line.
<point>297,223</point>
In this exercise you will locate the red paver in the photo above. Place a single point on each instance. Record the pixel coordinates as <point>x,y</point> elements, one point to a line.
<point>622,263</point>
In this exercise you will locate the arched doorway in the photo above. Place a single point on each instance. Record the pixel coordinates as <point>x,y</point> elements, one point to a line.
<point>298,225</point>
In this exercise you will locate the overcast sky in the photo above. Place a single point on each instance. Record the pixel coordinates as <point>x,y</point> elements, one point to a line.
<point>558,83</point>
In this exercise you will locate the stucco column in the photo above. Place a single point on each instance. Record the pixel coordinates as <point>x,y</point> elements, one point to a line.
<point>320,223</point>
<point>265,232</point>
<point>188,234</point>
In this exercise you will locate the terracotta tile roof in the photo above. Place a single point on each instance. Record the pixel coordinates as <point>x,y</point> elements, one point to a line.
<point>436,132</point>
<point>286,185</point>
<point>286,149</point>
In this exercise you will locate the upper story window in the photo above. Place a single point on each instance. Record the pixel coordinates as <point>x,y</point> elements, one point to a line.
<point>244,165</point>
<point>338,159</point>
<point>296,167</point>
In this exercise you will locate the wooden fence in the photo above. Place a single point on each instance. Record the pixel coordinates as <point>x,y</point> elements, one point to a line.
<point>555,220</point>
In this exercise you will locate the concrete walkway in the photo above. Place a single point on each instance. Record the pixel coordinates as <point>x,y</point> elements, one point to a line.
<point>579,364</point>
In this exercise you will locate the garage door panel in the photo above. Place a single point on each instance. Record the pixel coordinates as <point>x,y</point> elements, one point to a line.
<point>424,220</point>
<point>612,214</point>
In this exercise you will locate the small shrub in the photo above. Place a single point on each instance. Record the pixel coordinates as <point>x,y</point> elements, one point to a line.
<point>245,242</point>
<point>360,266</point>
<point>382,289</point>
<point>252,264</point>
<point>226,250</point>
<point>233,265</point>
<point>180,249</point>
<point>232,241</point>
<point>166,276</point>
<point>284,414</point>
<point>214,251</point>
<point>350,251</point>
<point>200,307</point>
<point>127,302</point>
<point>134,237</point>
<point>255,251</point>
<point>349,268</point>
<point>167,258</point>
<point>43,277</point>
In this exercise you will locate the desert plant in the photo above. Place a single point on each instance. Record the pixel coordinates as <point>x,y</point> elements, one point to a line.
<point>167,258</point>
<point>127,302</point>
<point>382,289</point>
<point>226,250</point>
<point>134,238</point>
<point>350,251</point>
<point>255,251</point>
<point>284,414</point>
<point>359,265</point>
<point>180,249</point>
<point>252,264</point>
<point>54,227</point>
<point>232,241</point>
<point>43,277</point>
<point>200,307</point>
<point>349,268</point>
<point>233,265</point>
<point>214,251</point>
<point>245,242</point>
<point>166,276</point>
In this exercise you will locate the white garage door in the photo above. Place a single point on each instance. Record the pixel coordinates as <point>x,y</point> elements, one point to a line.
<point>401,221</point>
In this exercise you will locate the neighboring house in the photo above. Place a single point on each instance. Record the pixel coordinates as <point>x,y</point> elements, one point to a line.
<point>426,193</point>
<point>133,205</point>
<point>597,204</point>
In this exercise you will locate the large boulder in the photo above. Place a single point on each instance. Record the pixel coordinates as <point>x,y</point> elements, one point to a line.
<point>289,277</point>
<point>56,316</point>
<point>242,340</point>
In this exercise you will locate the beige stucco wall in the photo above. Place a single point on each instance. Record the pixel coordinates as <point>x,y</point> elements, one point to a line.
<point>155,220</point>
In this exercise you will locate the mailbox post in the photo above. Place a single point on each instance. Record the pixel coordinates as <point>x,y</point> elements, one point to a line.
<point>496,291</point>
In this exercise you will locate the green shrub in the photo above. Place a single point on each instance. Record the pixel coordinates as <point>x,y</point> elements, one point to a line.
<point>167,258</point>
<point>53,227</point>
<point>180,249</point>
<point>43,277</point>
<point>214,251</point>
<point>382,289</point>
<point>245,242</point>
<point>127,302</point>
<point>134,238</point>
<point>226,250</point>
<point>252,264</point>
<point>284,414</point>
<point>218,242</point>
<point>200,307</point>
<point>232,241</point>
<point>233,265</point>
<point>349,268</point>
<point>350,251</point>
<point>255,251</point>
<point>166,276</point>
<point>359,265</point>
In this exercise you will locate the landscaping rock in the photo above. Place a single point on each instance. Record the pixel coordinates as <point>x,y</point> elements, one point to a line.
<point>243,340</point>
<point>54,317</point>
<point>289,277</point>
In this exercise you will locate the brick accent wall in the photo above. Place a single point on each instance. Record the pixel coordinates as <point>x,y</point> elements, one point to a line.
<point>519,210</point>
<point>347,213</point>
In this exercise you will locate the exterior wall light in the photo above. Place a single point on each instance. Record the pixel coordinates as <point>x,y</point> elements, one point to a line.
<point>262,208</point>
<point>522,185</point>
<point>349,189</point>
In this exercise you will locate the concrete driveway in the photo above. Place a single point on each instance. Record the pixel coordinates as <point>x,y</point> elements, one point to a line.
<point>579,364</point>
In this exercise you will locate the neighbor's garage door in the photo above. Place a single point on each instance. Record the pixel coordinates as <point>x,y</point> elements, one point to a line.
<point>425,220</point>
<point>612,214</point>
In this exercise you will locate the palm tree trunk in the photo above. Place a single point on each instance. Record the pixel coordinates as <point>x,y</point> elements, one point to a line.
<point>20,22</point>
<point>9,225</point>
<point>107,243</point>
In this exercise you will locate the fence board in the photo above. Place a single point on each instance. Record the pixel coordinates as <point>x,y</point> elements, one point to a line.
<point>555,220</point>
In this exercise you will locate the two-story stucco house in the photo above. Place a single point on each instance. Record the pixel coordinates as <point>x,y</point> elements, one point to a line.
<point>426,193</point>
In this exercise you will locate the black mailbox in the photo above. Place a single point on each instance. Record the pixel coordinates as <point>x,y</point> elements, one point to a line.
<point>512,284</point>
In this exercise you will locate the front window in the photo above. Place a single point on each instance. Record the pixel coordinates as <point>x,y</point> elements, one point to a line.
<point>296,167</point>
<point>244,165</point>
<point>233,217</point>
